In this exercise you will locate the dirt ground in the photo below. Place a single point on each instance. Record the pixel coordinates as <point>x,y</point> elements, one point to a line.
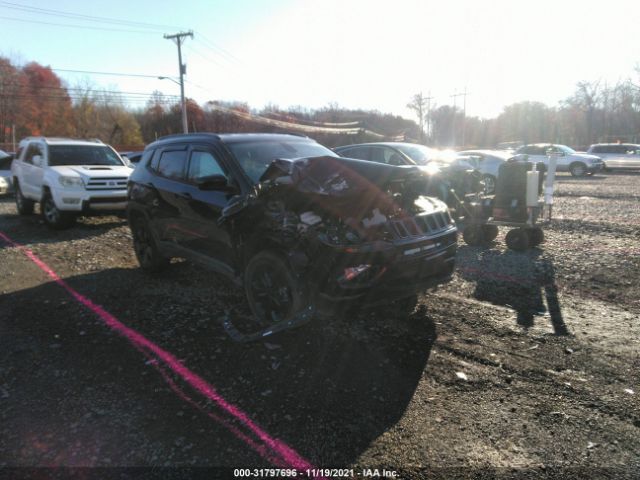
<point>525,366</point>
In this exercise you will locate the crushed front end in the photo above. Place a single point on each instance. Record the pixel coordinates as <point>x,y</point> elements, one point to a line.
<point>353,231</point>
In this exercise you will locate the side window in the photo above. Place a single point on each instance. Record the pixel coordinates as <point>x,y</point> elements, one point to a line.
<point>391,157</point>
<point>171,164</point>
<point>360,153</point>
<point>203,164</point>
<point>32,150</point>
<point>377,155</point>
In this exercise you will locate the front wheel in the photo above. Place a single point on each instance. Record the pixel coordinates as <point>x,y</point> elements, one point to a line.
<point>518,239</point>
<point>53,217</point>
<point>273,292</point>
<point>23,204</point>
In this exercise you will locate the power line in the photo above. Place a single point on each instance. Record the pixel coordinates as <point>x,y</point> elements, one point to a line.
<point>116,74</point>
<point>66,25</point>
<point>92,18</point>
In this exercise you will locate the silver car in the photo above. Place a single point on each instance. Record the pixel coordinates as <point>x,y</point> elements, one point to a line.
<point>617,155</point>
<point>578,164</point>
<point>488,163</point>
<point>5,172</point>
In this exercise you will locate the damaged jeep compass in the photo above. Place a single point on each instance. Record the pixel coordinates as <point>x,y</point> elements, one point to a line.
<point>299,228</point>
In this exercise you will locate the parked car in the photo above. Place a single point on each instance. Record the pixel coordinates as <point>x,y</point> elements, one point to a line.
<point>617,155</point>
<point>578,164</point>
<point>390,153</point>
<point>301,229</point>
<point>6,184</point>
<point>488,163</point>
<point>445,170</point>
<point>133,157</point>
<point>68,178</point>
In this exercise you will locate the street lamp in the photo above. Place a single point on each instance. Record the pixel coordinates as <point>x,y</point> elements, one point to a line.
<point>182,101</point>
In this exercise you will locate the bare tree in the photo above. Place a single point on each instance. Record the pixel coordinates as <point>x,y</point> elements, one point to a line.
<point>420,105</point>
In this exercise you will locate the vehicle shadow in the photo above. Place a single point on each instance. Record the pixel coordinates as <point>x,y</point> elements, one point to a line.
<point>520,280</point>
<point>327,389</point>
<point>32,230</point>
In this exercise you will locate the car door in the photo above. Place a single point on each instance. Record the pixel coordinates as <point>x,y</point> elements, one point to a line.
<point>169,166</point>
<point>33,174</point>
<point>630,157</point>
<point>200,209</point>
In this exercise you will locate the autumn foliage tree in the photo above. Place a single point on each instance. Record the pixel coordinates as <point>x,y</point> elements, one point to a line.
<point>46,105</point>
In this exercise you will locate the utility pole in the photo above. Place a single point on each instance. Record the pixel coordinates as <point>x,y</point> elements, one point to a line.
<point>464,113</point>
<point>428,99</point>
<point>178,38</point>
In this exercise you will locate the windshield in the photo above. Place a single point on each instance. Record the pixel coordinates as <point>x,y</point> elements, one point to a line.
<point>418,153</point>
<point>83,155</point>
<point>255,156</point>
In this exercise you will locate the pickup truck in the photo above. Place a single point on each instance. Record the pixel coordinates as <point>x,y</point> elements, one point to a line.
<point>68,178</point>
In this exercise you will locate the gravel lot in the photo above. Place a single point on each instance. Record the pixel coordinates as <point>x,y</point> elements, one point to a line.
<point>525,366</point>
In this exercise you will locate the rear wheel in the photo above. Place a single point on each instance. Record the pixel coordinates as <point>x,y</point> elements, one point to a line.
<point>145,246</point>
<point>489,233</point>
<point>578,169</point>
<point>536,236</point>
<point>53,216</point>
<point>273,292</point>
<point>23,204</point>
<point>518,239</point>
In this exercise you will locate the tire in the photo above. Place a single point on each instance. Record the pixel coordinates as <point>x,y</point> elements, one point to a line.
<point>145,246</point>
<point>23,204</point>
<point>536,236</point>
<point>273,292</point>
<point>489,184</point>
<point>489,233</point>
<point>53,217</point>
<point>518,239</point>
<point>472,235</point>
<point>578,169</point>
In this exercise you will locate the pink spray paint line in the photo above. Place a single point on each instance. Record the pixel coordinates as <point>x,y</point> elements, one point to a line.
<point>285,454</point>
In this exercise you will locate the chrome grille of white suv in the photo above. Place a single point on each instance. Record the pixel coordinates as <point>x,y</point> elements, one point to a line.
<point>107,183</point>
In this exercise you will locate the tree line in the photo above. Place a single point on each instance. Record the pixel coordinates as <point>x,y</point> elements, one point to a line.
<point>36,101</point>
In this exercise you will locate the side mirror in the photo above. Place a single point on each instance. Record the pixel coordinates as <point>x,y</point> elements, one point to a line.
<point>215,183</point>
<point>37,160</point>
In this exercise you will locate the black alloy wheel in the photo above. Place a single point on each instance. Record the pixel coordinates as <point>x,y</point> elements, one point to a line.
<point>145,247</point>
<point>273,292</point>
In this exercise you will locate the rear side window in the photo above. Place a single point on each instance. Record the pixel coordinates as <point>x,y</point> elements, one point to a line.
<point>172,163</point>
<point>360,153</point>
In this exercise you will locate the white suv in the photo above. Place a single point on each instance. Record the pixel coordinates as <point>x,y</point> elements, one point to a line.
<point>578,164</point>
<point>68,178</point>
<point>617,155</point>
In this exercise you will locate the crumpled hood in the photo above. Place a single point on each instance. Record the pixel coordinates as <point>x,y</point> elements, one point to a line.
<point>92,171</point>
<point>335,176</point>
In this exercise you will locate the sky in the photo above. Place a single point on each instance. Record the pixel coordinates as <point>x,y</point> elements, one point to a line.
<point>373,55</point>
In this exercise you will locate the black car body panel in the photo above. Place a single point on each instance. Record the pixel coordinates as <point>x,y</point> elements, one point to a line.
<point>349,229</point>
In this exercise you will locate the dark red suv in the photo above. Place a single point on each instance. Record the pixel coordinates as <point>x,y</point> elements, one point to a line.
<point>299,228</point>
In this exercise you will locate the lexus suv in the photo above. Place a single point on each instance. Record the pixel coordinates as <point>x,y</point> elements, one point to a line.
<point>299,228</point>
<point>68,178</point>
<point>568,160</point>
